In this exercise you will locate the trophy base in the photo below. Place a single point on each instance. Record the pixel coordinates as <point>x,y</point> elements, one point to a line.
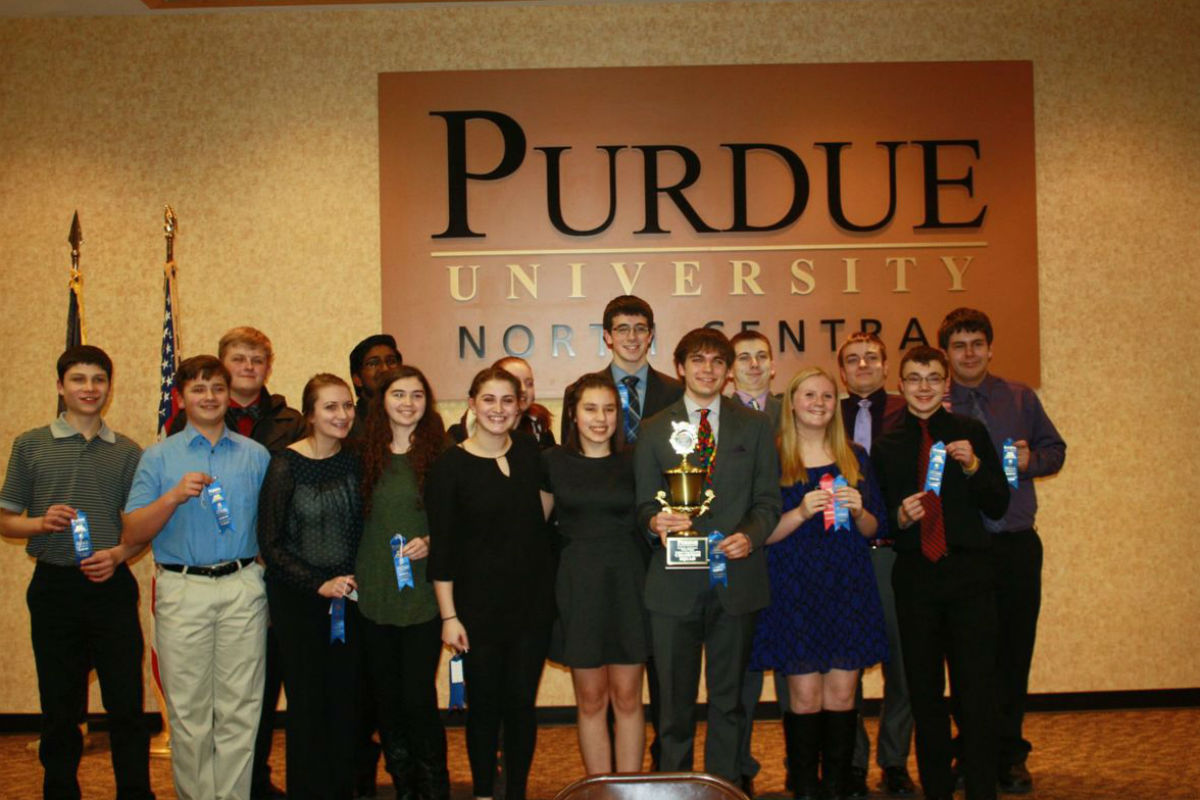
<point>687,551</point>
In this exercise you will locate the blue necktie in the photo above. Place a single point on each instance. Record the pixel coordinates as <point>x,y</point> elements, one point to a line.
<point>862,424</point>
<point>633,411</point>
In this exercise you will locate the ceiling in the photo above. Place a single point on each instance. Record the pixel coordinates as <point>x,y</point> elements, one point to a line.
<point>96,8</point>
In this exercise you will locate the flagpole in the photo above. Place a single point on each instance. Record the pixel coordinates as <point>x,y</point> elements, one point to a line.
<point>76,332</point>
<point>160,745</point>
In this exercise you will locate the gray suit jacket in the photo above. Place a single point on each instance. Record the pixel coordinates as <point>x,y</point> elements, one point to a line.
<point>746,486</point>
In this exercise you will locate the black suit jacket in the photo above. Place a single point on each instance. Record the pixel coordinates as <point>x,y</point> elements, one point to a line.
<point>661,391</point>
<point>887,413</point>
<point>747,500</point>
<point>895,457</point>
<point>773,410</point>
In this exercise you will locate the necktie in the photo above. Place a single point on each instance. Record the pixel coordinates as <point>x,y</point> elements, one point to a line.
<point>933,526</point>
<point>754,404</point>
<point>633,411</point>
<point>862,424</point>
<point>977,402</point>
<point>705,446</point>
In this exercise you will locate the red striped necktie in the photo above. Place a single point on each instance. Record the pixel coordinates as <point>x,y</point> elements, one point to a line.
<point>933,526</point>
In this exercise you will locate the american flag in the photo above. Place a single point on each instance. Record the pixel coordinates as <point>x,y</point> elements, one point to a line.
<point>168,399</point>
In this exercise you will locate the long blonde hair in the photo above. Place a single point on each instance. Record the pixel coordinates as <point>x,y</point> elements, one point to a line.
<point>793,469</point>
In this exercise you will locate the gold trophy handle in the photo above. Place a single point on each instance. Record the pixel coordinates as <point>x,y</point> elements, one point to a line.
<point>708,498</point>
<point>661,497</point>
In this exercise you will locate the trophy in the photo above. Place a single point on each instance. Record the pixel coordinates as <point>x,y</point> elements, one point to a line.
<point>685,549</point>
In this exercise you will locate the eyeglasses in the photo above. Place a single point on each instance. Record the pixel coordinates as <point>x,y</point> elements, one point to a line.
<point>871,359</point>
<point>932,381</point>
<point>637,330</point>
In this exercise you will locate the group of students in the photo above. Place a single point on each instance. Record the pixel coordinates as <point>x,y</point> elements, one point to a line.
<point>370,536</point>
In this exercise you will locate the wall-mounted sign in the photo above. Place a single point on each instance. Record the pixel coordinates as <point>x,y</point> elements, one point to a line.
<point>803,200</point>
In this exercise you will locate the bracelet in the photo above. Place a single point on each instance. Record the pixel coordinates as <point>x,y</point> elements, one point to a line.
<point>452,616</point>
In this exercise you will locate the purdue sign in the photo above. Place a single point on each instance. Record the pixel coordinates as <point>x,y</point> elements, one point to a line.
<point>803,200</point>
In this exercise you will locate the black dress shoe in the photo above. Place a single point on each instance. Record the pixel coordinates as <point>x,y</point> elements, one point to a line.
<point>1014,779</point>
<point>856,783</point>
<point>896,782</point>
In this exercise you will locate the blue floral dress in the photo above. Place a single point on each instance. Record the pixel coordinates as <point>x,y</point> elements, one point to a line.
<point>825,611</point>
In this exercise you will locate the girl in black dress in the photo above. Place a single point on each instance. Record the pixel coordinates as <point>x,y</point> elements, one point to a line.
<point>601,575</point>
<point>491,565</point>
<point>309,525</point>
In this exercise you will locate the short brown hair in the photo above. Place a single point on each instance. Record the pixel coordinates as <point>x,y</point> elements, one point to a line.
<point>703,340</point>
<point>630,305</point>
<point>747,335</point>
<point>924,354</point>
<point>862,336</point>
<point>245,335</point>
<point>203,367</point>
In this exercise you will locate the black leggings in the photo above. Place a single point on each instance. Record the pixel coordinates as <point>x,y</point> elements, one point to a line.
<point>403,662</point>
<point>502,683</point>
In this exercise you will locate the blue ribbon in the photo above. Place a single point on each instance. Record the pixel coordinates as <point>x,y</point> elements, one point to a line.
<point>81,537</point>
<point>718,564</point>
<point>937,466</point>
<point>458,689</point>
<point>1010,462</point>
<point>402,563</point>
<point>841,514</point>
<point>220,506</point>
<point>337,620</point>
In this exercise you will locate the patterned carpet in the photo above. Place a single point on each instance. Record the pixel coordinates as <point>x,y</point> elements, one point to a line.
<point>1122,755</point>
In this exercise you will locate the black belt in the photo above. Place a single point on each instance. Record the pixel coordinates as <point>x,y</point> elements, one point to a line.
<point>215,571</point>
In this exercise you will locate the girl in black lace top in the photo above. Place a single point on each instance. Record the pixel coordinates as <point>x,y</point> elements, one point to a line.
<point>309,524</point>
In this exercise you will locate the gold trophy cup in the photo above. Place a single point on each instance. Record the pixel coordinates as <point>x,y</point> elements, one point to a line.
<point>685,549</point>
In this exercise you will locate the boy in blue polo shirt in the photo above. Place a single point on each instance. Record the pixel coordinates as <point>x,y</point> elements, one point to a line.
<point>195,495</point>
<point>83,609</point>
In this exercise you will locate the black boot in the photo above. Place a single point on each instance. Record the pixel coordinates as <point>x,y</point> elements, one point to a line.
<point>837,749</point>
<point>401,765</point>
<point>802,738</point>
<point>432,776</point>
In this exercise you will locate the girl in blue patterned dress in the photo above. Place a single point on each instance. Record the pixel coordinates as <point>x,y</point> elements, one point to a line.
<point>825,621</point>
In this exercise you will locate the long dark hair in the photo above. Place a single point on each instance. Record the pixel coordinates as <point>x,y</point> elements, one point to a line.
<point>425,445</point>
<point>594,380</point>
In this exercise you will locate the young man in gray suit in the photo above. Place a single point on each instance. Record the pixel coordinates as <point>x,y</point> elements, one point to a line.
<point>688,615</point>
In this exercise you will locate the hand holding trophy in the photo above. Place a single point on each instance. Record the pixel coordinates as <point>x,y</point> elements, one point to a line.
<point>685,549</point>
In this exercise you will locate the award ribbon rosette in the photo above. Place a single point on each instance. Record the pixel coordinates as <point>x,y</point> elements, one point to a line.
<point>841,514</point>
<point>215,495</point>
<point>81,537</point>
<point>402,563</point>
<point>458,690</point>
<point>830,507</point>
<point>718,564</point>
<point>686,549</point>
<point>1010,462</point>
<point>937,466</point>
<point>337,620</point>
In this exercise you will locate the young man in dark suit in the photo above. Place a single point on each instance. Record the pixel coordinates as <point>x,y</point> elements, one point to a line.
<point>629,332</point>
<point>868,412</point>
<point>943,577</point>
<point>688,615</point>
<point>752,370</point>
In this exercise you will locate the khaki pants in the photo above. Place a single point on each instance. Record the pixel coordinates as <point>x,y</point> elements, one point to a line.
<point>211,639</point>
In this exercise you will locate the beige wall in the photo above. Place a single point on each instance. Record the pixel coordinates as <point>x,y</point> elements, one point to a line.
<point>260,129</point>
